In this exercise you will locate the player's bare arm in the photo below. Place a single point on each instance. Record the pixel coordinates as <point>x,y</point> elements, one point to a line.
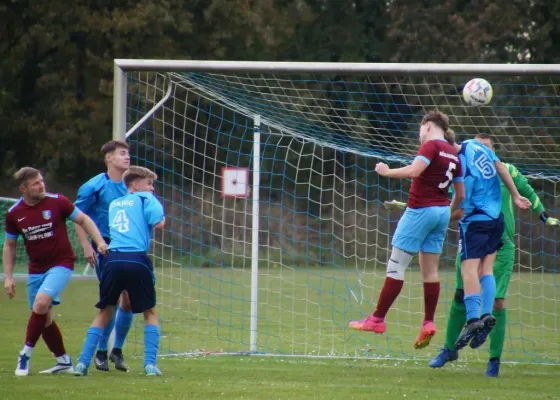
<point>413,170</point>
<point>458,197</point>
<point>89,253</point>
<point>91,229</point>
<point>9,259</point>
<point>519,200</point>
<point>160,225</point>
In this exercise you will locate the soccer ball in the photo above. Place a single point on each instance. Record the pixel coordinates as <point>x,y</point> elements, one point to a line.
<point>477,92</point>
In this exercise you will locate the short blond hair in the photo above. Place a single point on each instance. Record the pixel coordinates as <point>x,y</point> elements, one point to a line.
<point>24,174</point>
<point>135,172</point>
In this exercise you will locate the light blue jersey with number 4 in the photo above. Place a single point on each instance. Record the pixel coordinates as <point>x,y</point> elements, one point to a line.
<point>131,221</point>
<point>483,195</point>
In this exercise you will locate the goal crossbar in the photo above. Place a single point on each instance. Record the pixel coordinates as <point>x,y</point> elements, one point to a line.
<point>334,67</point>
<point>121,66</point>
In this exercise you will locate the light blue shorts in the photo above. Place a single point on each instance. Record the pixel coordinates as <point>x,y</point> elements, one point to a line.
<point>422,229</point>
<point>51,283</point>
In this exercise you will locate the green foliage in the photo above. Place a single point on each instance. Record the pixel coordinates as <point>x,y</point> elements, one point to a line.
<point>57,61</point>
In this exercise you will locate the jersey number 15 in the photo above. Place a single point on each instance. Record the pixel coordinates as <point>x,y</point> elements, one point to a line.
<point>120,222</point>
<point>449,175</point>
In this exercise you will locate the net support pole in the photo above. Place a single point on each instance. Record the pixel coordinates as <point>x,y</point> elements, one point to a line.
<point>119,103</point>
<point>255,232</point>
<point>152,110</point>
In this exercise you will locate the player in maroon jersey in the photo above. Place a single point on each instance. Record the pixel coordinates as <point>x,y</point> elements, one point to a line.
<point>40,217</point>
<point>423,226</point>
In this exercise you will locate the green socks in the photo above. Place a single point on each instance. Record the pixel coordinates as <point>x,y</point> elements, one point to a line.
<point>455,322</point>
<point>498,334</point>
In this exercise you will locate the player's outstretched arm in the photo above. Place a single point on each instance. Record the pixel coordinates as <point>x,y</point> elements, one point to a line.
<point>413,170</point>
<point>519,200</point>
<point>9,260</point>
<point>91,229</point>
<point>526,190</point>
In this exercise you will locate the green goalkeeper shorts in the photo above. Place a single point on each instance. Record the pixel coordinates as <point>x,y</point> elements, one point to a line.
<point>503,267</point>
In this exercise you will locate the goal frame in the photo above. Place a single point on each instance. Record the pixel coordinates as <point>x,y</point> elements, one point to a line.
<point>122,66</point>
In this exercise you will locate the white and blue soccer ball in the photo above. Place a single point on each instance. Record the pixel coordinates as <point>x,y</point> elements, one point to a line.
<point>477,92</point>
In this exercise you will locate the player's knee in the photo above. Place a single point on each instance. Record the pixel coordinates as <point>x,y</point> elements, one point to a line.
<point>104,317</point>
<point>459,296</point>
<point>398,262</point>
<point>42,303</point>
<point>150,316</point>
<point>499,304</point>
<point>429,267</point>
<point>49,317</point>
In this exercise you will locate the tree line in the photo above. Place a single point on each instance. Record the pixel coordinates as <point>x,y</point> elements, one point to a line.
<point>56,67</point>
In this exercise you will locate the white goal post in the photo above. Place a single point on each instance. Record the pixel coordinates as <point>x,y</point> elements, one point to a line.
<point>295,265</point>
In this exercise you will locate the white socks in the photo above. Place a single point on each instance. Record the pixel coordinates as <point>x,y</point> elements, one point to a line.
<point>64,359</point>
<point>27,350</point>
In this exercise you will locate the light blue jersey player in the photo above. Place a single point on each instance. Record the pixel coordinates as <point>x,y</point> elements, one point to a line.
<point>133,217</point>
<point>480,230</point>
<point>482,183</point>
<point>128,267</point>
<point>94,198</point>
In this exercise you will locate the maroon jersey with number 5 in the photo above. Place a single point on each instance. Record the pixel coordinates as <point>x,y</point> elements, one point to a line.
<point>432,186</point>
<point>43,227</point>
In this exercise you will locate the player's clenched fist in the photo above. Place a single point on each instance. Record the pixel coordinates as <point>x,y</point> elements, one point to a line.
<point>382,169</point>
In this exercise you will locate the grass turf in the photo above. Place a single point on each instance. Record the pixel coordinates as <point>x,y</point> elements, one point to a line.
<point>209,314</point>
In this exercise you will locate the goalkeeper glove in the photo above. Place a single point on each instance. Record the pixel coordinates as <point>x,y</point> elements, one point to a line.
<point>549,220</point>
<point>394,205</point>
<point>552,221</point>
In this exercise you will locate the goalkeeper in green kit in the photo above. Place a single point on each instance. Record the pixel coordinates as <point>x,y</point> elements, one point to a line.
<point>503,267</point>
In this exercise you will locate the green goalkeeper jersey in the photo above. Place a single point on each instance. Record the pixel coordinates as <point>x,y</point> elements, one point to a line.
<point>508,208</point>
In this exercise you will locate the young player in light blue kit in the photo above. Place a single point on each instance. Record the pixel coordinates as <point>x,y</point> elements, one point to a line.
<point>94,198</point>
<point>481,229</point>
<point>128,267</point>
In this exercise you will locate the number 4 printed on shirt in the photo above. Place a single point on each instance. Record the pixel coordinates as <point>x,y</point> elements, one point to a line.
<point>120,222</point>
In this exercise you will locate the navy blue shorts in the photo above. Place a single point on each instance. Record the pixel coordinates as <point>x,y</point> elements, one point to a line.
<point>99,257</point>
<point>480,238</point>
<point>128,271</point>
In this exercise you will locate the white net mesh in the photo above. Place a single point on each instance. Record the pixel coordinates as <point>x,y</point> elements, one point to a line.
<point>324,235</point>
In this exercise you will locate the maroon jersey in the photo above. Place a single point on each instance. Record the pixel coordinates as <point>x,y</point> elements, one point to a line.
<point>432,186</point>
<point>43,227</point>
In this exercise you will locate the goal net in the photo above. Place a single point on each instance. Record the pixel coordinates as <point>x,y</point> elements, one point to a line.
<point>296,145</point>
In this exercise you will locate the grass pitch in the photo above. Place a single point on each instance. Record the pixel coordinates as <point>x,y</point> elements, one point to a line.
<point>257,376</point>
